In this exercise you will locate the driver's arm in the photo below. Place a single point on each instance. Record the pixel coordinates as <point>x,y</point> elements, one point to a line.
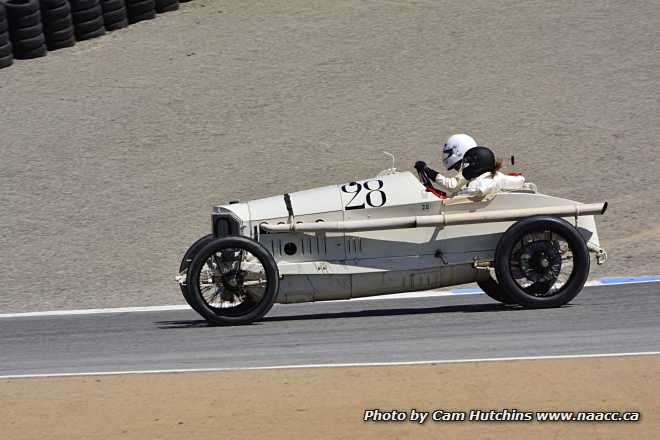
<point>448,184</point>
<point>452,184</point>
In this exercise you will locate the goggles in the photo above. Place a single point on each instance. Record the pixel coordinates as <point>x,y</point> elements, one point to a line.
<point>447,152</point>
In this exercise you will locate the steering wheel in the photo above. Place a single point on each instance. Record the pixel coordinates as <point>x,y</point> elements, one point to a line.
<point>424,178</point>
<point>428,183</point>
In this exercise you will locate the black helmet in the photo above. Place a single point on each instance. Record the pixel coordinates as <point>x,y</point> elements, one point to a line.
<point>476,161</point>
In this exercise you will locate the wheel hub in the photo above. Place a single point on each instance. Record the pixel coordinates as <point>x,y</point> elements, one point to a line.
<point>232,280</point>
<point>540,261</point>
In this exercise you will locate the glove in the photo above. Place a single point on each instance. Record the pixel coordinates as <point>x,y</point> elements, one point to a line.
<point>431,173</point>
<point>420,165</point>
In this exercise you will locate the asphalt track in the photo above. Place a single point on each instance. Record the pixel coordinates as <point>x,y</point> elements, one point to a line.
<point>607,319</point>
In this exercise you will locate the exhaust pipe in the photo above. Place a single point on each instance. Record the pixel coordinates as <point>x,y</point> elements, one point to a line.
<point>437,220</point>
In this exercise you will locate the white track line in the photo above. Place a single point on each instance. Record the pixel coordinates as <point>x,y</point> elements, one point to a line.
<point>424,294</point>
<point>165,308</point>
<point>356,364</point>
<point>96,311</point>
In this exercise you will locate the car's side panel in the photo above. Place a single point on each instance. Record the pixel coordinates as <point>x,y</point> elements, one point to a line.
<point>307,246</point>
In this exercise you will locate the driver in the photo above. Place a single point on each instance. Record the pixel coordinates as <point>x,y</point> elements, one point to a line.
<point>452,158</point>
<point>483,173</point>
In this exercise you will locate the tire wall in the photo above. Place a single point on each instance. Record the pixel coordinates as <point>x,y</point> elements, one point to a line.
<point>57,23</point>
<point>140,10</point>
<point>87,19</point>
<point>25,29</point>
<point>31,28</point>
<point>114,14</point>
<point>6,51</point>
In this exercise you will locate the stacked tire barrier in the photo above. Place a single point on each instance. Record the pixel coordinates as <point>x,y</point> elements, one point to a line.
<point>25,29</point>
<point>166,5</point>
<point>6,56</point>
<point>58,24</point>
<point>139,10</point>
<point>87,19</point>
<point>114,14</point>
<point>30,28</point>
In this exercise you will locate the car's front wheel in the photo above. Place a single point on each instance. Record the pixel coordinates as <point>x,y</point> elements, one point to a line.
<point>232,280</point>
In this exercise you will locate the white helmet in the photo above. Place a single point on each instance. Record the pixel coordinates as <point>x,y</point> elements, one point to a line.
<point>456,146</point>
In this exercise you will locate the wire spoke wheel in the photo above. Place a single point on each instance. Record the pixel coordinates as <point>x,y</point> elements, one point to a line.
<point>542,262</point>
<point>187,260</point>
<point>232,280</point>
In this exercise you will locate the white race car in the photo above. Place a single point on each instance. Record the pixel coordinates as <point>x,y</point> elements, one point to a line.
<point>389,234</point>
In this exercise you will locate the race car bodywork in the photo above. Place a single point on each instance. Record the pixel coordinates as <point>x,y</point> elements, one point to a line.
<point>391,234</point>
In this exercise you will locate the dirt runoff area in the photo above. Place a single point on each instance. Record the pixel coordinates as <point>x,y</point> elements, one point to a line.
<point>331,402</point>
<point>114,151</point>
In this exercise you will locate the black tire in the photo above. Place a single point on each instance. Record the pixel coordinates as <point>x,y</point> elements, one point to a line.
<point>55,13</point>
<point>61,35</point>
<point>58,25</point>
<point>170,8</point>
<point>245,312</point>
<point>32,53</point>
<point>166,5</point>
<point>141,17</point>
<point>21,21</point>
<point>79,5</point>
<point>3,12</point>
<point>87,14</point>
<point>4,38</point>
<point>29,44</point>
<point>6,61</point>
<point>188,257</point>
<point>112,5</point>
<point>62,43</point>
<point>140,7</point>
<point>92,25</point>
<point>25,33</point>
<point>6,50</point>
<point>52,4</point>
<point>116,25</point>
<point>115,16</point>
<point>91,34</point>
<point>537,294</point>
<point>21,7</point>
<point>495,291</point>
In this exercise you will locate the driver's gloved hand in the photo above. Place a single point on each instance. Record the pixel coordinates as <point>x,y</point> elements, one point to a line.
<point>420,166</point>
<point>431,173</point>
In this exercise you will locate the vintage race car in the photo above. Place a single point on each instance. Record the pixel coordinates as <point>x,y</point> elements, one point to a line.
<point>389,234</point>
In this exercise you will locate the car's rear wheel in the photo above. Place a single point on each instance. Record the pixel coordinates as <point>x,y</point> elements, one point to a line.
<point>187,259</point>
<point>542,262</point>
<point>232,280</point>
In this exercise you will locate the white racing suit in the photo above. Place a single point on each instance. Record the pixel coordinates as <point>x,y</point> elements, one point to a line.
<point>451,185</point>
<point>491,183</point>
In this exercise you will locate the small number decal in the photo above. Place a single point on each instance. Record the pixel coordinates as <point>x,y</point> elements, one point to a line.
<point>375,197</point>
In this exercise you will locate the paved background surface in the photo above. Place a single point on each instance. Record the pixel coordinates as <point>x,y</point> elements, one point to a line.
<point>113,152</point>
<point>601,320</point>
